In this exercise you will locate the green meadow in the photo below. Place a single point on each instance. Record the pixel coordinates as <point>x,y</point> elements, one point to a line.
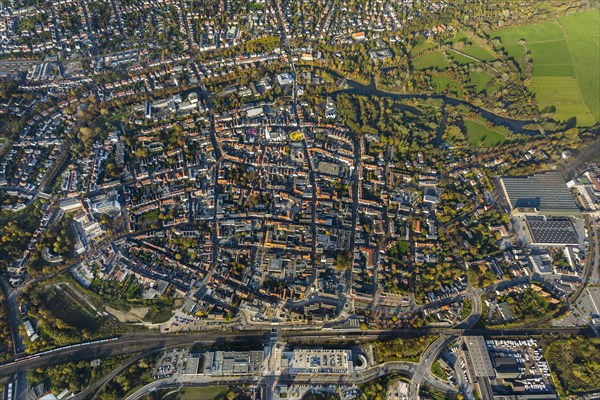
<point>478,134</point>
<point>478,52</point>
<point>566,55</point>
<point>583,37</point>
<point>480,79</point>
<point>443,82</point>
<point>459,58</point>
<point>431,60</point>
<point>458,37</point>
<point>421,45</point>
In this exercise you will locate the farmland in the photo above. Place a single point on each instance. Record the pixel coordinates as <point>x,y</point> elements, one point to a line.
<point>565,56</point>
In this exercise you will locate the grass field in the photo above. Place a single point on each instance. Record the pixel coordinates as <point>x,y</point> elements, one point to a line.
<point>553,70</point>
<point>402,247</point>
<point>421,45</point>
<point>551,53</point>
<point>583,37</point>
<point>480,80</point>
<point>544,31</point>
<point>459,58</point>
<point>478,52</point>
<point>480,135</point>
<point>458,37</point>
<point>515,51</point>
<point>565,54</point>
<point>199,393</point>
<point>443,82</point>
<point>435,59</point>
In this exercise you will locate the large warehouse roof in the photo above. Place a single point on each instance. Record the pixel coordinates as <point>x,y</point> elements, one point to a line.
<point>546,192</point>
<point>552,231</point>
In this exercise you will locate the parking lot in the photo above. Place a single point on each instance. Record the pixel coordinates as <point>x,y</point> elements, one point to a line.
<point>168,364</point>
<point>529,363</point>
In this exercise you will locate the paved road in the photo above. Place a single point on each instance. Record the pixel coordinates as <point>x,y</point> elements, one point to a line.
<point>128,344</point>
<point>595,273</point>
<point>12,307</point>
<point>403,368</point>
<point>590,273</point>
<point>423,372</point>
<point>96,386</point>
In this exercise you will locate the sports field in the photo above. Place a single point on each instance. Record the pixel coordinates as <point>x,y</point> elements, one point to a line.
<point>566,55</point>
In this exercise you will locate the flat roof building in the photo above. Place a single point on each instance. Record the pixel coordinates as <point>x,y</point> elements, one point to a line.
<point>223,363</point>
<point>506,368</point>
<point>70,205</point>
<point>551,231</point>
<point>479,356</point>
<point>328,168</point>
<point>545,192</point>
<point>285,79</point>
<point>318,361</point>
<point>192,365</point>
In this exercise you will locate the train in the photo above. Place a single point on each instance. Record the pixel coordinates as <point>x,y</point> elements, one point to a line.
<point>37,355</point>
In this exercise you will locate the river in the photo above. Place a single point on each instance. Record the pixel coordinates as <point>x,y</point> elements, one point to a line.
<point>514,125</point>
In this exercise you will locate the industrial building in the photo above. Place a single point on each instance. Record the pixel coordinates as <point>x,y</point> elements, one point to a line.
<point>551,231</point>
<point>546,193</point>
<point>507,369</point>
